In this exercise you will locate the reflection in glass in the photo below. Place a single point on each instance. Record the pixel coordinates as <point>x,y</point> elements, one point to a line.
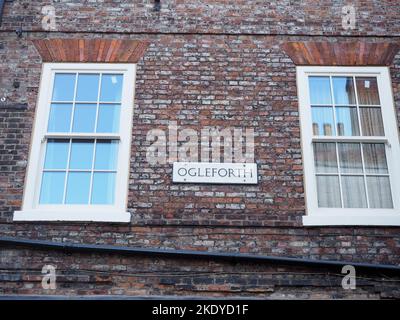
<point>325,157</point>
<point>78,188</point>
<point>84,117</point>
<point>56,154</point>
<point>64,85</point>
<point>111,88</point>
<point>103,188</point>
<point>343,90</point>
<point>375,158</point>
<point>108,120</point>
<point>350,157</point>
<point>367,90</point>
<point>323,124</point>
<point>106,155</point>
<point>81,154</point>
<point>379,192</point>
<point>60,117</point>
<point>52,189</point>
<point>328,192</point>
<point>88,87</point>
<point>347,121</point>
<point>354,192</point>
<point>371,122</point>
<point>320,92</point>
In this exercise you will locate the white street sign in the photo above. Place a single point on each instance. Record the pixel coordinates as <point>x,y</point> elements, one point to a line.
<point>212,172</point>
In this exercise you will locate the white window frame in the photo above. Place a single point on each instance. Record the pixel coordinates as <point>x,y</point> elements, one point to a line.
<point>31,209</point>
<point>316,216</point>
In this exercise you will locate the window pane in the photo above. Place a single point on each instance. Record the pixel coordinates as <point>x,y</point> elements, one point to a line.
<point>350,157</point>
<point>379,193</point>
<point>60,117</point>
<point>325,157</point>
<point>81,154</point>
<point>354,192</point>
<point>56,154</point>
<point>78,188</point>
<point>84,117</point>
<point>328,192</point>
<point>343,90</point>
<point>106,155</point>
<point>375,158</point>
<point>64,84</point>
<point>103,188</point>
<point>111,88</point>
<point>367,90</point>
<point>323,124</point>
<point>371,122</point>
<point>320,92</point>
<point>88,87</point>
<point>52,190</point>
<point>347,121</point>
<point>108,120</point>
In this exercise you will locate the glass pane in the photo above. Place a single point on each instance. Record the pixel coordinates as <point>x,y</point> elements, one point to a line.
<point>367,90</point>
<point>81,154</point>
<point>350,157</point>
<point>320,92</point>
<point>347,121</point>
<point>56,154</point>
<point>379,192</point>
<point>371,122</point>
<point>323,124</point>
<point>88,87</point>
<point>84,118</point>
<point>108,120</point>
<point>60,117</point>
<point>111,88</point>
<point>354,192</point>
<point>375,158</point>
<point>343,90</point>
<point>64,84</point>
<point>78,188</point>
<point>106,155</point>
<point>328,192</point>
<point>103,188</point>
<point>325,157</point>
<point>52,190</point>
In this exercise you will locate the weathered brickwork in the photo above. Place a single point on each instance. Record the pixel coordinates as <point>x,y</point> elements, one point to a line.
<point>81,274</point>
<point>209,63</point>
<point>308,17</point>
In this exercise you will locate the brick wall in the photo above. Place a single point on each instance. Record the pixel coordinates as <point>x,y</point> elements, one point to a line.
<point>223,66</point>
<point>306,17</point>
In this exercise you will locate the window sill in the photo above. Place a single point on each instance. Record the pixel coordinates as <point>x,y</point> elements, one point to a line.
<point>77,216</point>
<point>352,220</point>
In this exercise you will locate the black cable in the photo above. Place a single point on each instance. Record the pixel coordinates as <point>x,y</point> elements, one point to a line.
<point>193,254</point>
